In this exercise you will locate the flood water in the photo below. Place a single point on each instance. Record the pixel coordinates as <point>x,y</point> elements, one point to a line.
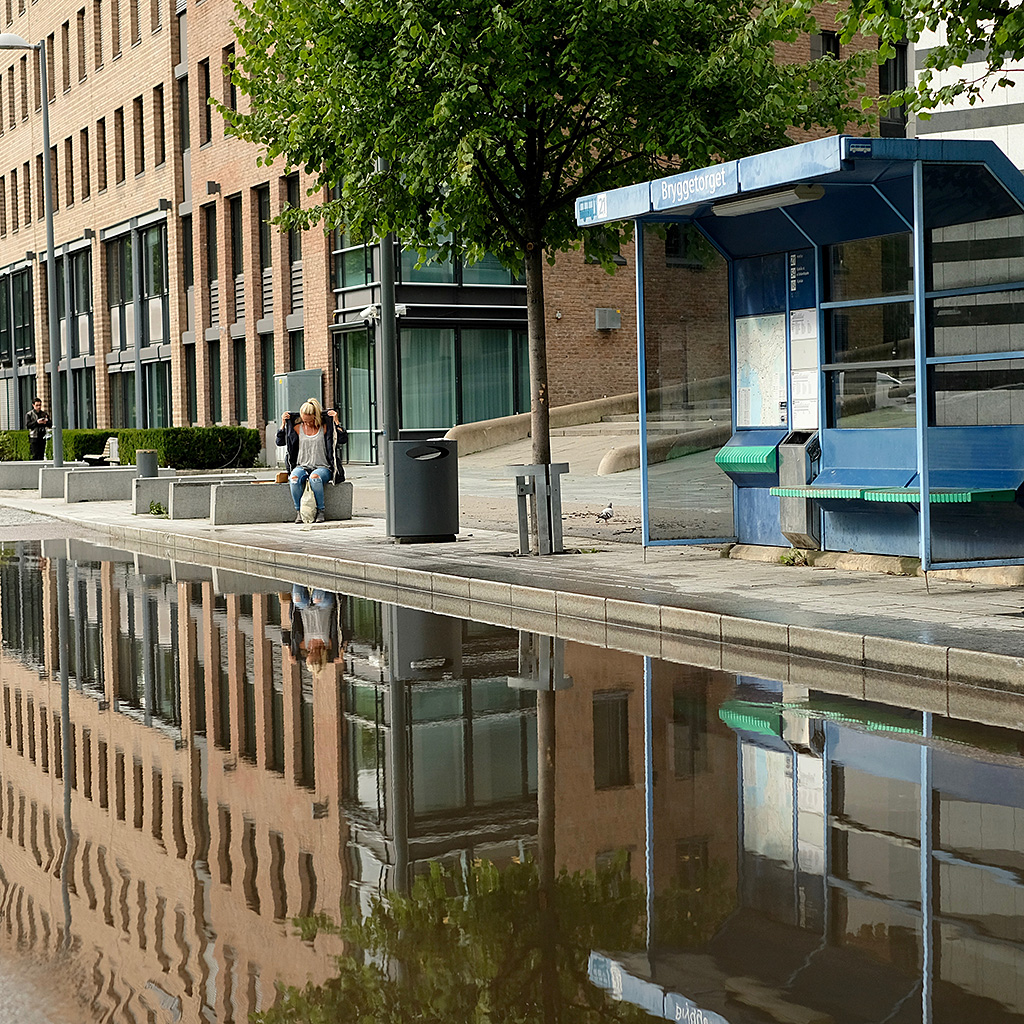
<point>222,795</point>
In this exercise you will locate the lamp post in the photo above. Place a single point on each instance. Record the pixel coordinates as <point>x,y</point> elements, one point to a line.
<point>10,41</point>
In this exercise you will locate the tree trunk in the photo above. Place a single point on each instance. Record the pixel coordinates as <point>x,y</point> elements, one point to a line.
<point>539,399</point>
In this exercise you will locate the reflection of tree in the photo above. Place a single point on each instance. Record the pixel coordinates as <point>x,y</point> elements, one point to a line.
<point>688,914</point>
<point>468,947</point>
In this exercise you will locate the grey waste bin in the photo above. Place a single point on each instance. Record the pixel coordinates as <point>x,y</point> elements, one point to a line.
<point>145,462</point>
<point>799,453</point>
<point>424,489</point>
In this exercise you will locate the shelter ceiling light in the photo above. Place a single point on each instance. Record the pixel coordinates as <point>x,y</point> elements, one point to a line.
<point>769,201</point>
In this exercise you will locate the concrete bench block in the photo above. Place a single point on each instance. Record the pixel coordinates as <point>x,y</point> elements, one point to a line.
<point>24,476</point>
<point>101,483</point>
<point>270,503</point>
<point>146,490</point>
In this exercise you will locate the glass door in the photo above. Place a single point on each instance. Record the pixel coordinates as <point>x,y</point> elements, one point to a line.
<point>354,370</point>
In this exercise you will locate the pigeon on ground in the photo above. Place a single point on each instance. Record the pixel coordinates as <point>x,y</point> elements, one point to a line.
<point>605,514</point>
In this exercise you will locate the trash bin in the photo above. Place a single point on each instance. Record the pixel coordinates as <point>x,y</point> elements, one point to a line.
<point>424,489</point>
<point>799,453</point>
<point>145,462</point>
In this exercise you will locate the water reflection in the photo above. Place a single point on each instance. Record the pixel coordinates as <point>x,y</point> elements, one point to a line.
<point>559,830</point>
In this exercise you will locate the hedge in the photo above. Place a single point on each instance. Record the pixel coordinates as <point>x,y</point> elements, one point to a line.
<point>179,447</point>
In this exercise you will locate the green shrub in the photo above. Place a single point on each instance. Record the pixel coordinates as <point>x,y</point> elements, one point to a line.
<point>8,447</point>
<point>194,447</point>
<point>81,442</point>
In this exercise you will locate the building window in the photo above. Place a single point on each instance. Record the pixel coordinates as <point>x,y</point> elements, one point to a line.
<point>230,89</point>
<point>205,112</point>
<point>214,361</point>
<point>65,56</point>
<point>154,15</point>
<point>11,118</point>
<point>119,169</point>
<point>237,258</point>
<point>267,362</point>
<point>78,302</point>
<point>159,139</point>
<point>212,270</point>
<point>36,85</point>
<point>353,264</point>
<point>80,27</point>
<point>15,214</point>
<point>3,206</point>
<point>297,349</point>
<point>188,273</point>
<point>241,381</point>
<point>101,154</point>
<point>51,68</point>
<point>21,314</point>
<point>26,191</point>
<point>155,307</point>
<point>40,191</point>
<point>133,21</point>
<point>191,384</point>
<point>24,88</point>
<point>115,28</point>
<point>825,44</point>
<point>139,135</point>
<point>97,33</point>
<point>611,740</point>
<point>84,168</point>
<point>892,77</point>
<point>69,171</point>
<point>184,126</point>
<point>265,242</point>
<point>120,293</point>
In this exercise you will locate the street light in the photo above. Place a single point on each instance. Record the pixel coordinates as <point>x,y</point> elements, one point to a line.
<point>10,41</point>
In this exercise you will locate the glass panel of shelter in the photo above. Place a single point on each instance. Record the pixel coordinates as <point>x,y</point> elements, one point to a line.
<point>687,399</point>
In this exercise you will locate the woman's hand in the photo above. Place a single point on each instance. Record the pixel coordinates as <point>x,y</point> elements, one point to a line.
<point>333,413</point>
<point>285,418</point>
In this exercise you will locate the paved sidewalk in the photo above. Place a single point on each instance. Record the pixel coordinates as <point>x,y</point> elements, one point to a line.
<point>943,629</point>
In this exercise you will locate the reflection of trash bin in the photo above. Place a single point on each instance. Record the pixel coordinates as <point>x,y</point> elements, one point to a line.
<point>424,489</point>
<point>145,462</point>
<point>799,453</point>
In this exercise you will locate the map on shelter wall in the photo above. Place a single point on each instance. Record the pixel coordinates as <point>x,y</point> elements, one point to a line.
<point>761,371</point>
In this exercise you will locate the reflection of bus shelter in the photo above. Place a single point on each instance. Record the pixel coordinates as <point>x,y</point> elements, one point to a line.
<point>876,342</point>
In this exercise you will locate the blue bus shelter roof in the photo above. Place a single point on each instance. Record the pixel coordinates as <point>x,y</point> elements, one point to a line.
<point>860,187</point>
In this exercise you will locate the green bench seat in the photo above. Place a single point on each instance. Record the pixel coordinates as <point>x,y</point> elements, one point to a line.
<point>901,495</point>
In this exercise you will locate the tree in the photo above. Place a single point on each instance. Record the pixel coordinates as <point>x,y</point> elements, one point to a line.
<point>968,29</point>
<point>472,126</point>
<point>473,946</point>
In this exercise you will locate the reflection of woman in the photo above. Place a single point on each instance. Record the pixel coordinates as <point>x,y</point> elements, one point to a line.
<point>312,454</point>
<point>314,627</point>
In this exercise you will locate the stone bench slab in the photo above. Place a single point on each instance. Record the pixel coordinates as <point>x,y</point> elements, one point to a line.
<point>102,483</point>
<point>24,476</point>
<point>146,490</point>
<point>232,503</point>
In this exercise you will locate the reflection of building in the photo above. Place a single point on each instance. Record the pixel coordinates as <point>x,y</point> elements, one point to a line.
<point>442,751</point>
<point>204,803</point>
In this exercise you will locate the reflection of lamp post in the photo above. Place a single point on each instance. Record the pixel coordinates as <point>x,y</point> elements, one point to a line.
<point>10,41</point>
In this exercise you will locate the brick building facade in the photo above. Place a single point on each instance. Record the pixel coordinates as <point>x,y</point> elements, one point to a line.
<point>173,289</point>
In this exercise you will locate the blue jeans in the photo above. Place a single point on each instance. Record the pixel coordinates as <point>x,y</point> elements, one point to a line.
<point>317,479</point>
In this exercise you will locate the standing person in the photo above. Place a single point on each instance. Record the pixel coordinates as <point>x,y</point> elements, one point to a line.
<point>313,453</point>
<point>36,421</point>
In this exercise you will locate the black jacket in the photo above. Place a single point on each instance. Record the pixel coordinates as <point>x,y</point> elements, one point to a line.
<point>334,440</point>
<point>32,424</point>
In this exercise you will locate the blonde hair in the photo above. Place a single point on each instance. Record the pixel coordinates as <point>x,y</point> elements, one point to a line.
<point>313,408</point>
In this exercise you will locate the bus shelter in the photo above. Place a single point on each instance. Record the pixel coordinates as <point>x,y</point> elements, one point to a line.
<point>831,349</point>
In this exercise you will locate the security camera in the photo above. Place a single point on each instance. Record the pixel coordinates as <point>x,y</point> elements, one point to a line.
<point>401,309</point>
<point>369,313</point>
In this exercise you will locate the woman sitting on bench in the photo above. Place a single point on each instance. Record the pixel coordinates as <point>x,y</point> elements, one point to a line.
<point>312,445</point>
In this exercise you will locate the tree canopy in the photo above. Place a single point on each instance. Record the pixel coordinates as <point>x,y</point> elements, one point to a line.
<point>988,33</point>
<point>473,125</point>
